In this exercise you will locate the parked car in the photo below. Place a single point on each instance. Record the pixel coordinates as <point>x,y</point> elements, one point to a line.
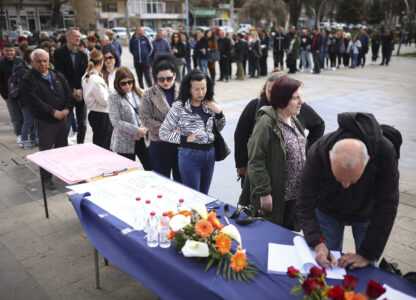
<point>120,32</point>
<point>26,33</point>
<point>149,31</point>
<point>12,36</point>
<point>244,28</point>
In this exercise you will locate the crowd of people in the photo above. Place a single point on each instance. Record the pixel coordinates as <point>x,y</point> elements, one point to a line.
<point>316,183</point>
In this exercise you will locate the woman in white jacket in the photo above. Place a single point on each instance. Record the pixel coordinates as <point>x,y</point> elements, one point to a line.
<point>353,49</point>
<point>95,92</point>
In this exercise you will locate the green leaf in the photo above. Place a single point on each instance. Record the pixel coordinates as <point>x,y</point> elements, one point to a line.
<point>296,290</point>
<point>209,264</point>
<point>219,267</point>
<point>239,276</point>
<point>224,272</point>
<point>244,277</point>
<point>229,273</point>
<point>235,278</point>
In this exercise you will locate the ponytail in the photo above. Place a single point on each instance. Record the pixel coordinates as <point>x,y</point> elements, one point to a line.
<point>96,57</point>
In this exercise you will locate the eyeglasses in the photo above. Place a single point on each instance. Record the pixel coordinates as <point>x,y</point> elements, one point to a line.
<point>123,83</point>
<point>108,57</point>
<point>163,79</point>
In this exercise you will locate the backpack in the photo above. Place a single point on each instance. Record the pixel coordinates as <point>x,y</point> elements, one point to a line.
<point>13,83</point>
<point>394,136</point>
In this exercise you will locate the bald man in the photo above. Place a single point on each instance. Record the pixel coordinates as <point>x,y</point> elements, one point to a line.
<point>350,178</point>
<point>49,98</point>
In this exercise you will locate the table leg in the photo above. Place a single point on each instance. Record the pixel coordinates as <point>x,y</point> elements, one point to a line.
<point>45,202</point>
<point>97,270</point>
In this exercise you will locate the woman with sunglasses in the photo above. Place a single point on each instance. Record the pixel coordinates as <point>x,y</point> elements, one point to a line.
<point>276,155</point>
<point>95,93</point>
<point>154,107</point>
<point>190,124</point>
<point>129,135</point>
<point>111,60</point>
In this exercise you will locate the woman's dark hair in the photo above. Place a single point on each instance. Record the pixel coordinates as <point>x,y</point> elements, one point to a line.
<point>172,42</point>
<point>212,35</point>
<point>195,75</point>
<point>164,62</point>
<point>282,91</point>
<point>123,73</point>
<point>110,49</point>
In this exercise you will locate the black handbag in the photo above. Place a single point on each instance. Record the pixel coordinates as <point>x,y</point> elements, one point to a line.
<point>220,146</point>
<point>213,56</point>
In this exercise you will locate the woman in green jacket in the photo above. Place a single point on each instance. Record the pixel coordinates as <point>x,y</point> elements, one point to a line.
<point>276,152</point>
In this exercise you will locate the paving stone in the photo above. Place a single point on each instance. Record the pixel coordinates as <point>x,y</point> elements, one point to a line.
<point>22,290</point>
<point>22,174</point>
<point>408,224</point>
<point>21,197</point>
<point>23,243</point>
<point>10,270</point>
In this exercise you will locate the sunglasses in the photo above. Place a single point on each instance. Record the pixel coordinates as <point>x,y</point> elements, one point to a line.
<point>108,57</point>
<point>124,83</point>
<point>163,79</point>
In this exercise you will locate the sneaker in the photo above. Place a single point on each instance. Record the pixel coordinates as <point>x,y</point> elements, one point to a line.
<point>49,184</point>
<point>342,66</point>
<point>19,141</point>
<point>27,145</point>
<point>333,69</point>
<point>302,70</point>
<point>70,142</point>
<point>35,142</point>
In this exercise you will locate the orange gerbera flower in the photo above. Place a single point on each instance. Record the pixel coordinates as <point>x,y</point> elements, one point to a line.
<point>185,213</point>
<point>203,228</point>
<point>212,218</point>
<point>354,296</point>
<point>170,214</point>
<point>239,261</point>
<point>223,243</point>
<point>171,235</point>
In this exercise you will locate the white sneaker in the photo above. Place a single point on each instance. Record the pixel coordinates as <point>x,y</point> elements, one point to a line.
<point>303,70</point>
<point>19,141</point>
<point>310,71</point>
<point>341,66</point>
<point>70,142</point>
<point>333,68</point>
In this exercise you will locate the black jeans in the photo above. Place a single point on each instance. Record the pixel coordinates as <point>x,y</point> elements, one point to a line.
<point>81,116</point>
<point>164,158</point>
<point>263,65</point>
<point>212,74</point>
<point>316,58</point>
<point>51,135</point>
<point>278,59</point>
<point>289,216</point>
<point>143,69</point>
<point>102,129</point>
<point>224,68</point>
<point>142,153</point>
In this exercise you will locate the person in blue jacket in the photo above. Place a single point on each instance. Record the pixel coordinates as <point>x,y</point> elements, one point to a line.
<point>141,48</point>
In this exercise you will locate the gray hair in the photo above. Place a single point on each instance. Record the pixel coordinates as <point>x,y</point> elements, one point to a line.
<point>36,52</point>
<point>43,35</point>
<point>274,76</point>
<point>349,155</point>
<point>104,37</point>
<point>70,30</point>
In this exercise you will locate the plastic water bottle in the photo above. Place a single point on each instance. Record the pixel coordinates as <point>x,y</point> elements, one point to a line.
<point>152,231</point>
<point>180,205</point>
<point>146,216</point>
<point>164,242</point>
<point>138,212</point>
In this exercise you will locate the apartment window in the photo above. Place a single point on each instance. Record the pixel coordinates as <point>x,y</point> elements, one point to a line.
<point>154,6</point>
<point>109,7</point>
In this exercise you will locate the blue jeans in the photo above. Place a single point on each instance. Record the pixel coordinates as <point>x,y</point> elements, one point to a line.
<point>322,58</point>
<point>354,57</point>
<point>203,65</point>
<point>333,231</point>
<point>197,168</point>
<point>16,116</point>
<point>28,127</point>
<point>306,59</point>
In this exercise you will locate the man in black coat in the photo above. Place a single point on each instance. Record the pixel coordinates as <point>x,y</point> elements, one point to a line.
<point>224,47</point>
<point>280,44</point>
<point>317,41</point>
<point>387,45</point>
<point>72,63</point>
<point>50,99</point>
<point>350,178</point>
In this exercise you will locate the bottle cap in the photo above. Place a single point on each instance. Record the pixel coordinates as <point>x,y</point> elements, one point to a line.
<point>165,214</point>
<point>152,213</point>
<point>181,200</point>
<point>147,201</point>
<point>138,199</point>
<point>159,196</point>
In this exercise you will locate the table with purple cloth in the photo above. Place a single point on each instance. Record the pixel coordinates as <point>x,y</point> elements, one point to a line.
<point>169,275</point>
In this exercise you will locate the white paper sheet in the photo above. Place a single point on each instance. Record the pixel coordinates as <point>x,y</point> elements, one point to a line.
<point>117,194</point>
<point>392,294</point>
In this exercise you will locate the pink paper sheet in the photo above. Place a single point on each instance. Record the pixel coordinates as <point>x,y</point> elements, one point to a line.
<point>73,164</point>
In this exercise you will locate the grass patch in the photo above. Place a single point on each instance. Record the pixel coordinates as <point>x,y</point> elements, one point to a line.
<point>411,54</point>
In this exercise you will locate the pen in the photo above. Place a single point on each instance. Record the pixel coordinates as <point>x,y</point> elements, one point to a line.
<point>109,174</point>
<point>329,258</point>
<point>119,171</point>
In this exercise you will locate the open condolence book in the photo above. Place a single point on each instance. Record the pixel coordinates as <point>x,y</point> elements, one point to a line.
<point>299,256</point>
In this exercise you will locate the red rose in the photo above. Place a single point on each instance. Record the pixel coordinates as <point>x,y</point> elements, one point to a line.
<point>309,285</point>
<point>292,272</point>
<point>336,293</point>
<point>374,289</point>
<point>349,282</point>
<point>317,272</point>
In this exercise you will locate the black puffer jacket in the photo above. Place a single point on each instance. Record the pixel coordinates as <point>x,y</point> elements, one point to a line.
<point>374,197</point>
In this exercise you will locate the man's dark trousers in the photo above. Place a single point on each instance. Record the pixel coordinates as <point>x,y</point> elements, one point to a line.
<point>143,69</point>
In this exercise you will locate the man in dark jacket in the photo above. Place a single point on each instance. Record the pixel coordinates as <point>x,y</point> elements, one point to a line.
<point>224,47</point>
<point>72,63</point>
<point>307,117</point>
<point>280,44</point>
<point>142,50</point>
<point>50,99</point>
<point>6,67</point>
<point>350,178</point>
<point>316,47</point>
<point>363,37</point>
<point>387,45</point>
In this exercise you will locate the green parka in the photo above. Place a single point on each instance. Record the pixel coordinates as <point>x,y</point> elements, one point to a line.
<point>266,169</point>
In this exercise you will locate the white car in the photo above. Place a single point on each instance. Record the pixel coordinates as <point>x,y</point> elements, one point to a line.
<point>244,28</point>
<point>119,32</point>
